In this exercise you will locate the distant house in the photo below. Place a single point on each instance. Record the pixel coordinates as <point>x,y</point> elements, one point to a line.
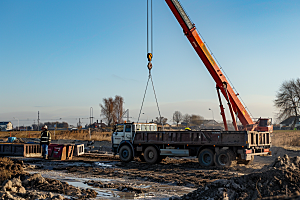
<point>289,121</point>
<point>6,126</point>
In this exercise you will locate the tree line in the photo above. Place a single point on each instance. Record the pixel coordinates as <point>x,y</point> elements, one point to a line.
<point>187,118</point>
<point>112,110</point>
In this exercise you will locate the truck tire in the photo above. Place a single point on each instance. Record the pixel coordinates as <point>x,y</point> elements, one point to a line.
<point>206,158</point>
<point>151,155</point>
<point>125,153</point>
<point>224,158</point>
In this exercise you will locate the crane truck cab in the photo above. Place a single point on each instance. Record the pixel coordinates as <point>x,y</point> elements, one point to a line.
<point>124,133</point>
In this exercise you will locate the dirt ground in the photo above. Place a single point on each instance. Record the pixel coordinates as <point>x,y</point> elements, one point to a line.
<point>100,175</point>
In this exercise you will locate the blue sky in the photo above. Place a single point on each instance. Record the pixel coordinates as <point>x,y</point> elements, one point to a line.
<point>62,57</point>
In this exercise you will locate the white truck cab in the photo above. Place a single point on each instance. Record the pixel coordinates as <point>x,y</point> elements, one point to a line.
<point>123,132</point>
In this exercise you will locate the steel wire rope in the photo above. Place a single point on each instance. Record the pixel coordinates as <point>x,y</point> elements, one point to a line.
<point>226,75</point>
<point>151,47</point>
<point>151,29</point>
<point>144,97</point>
<point>150,77</point>
<point>160,119</point>
<point>147,28</point>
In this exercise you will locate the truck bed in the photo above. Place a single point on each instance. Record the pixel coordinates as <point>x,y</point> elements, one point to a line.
<point>204,137</point>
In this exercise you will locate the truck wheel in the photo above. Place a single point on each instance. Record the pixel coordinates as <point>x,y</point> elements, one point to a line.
<point>224,158</point>
<point>125,154</point>
<point>151,155</point>
<point>206,158</point>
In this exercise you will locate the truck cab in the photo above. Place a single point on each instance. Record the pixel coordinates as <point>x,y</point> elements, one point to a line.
<point>125,132</point>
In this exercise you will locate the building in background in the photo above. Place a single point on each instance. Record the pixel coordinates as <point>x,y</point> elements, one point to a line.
<point>6,126</point>
<point>287,123</point>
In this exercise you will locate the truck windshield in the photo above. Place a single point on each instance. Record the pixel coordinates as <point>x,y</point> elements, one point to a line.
<point>119,128</point>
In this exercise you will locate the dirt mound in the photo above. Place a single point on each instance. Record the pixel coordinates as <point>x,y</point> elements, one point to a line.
<point>9,168</point>
<point>16,184</point>
<point>25,185</point>
<point>281,179</point>
<point>286,162</point>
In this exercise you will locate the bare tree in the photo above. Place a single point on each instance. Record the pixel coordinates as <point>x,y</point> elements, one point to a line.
<point>186,118</point>
<point>107,110</point>
<point>196,119</point>
<point>177,117</point>
<point>112,109</point>
<point>118,108</point>
<point>160,120</point>
<point>288,100</point>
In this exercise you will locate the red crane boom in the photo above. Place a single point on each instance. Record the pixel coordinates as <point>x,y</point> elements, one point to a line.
<point>235,106</point>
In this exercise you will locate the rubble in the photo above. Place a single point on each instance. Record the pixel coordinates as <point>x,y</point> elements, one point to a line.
<point>281,179</point>
<point>286,162</point>
<point>21,185</point>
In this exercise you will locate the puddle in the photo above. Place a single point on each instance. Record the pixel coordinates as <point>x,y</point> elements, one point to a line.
<point>107,193</point>
<point>155,190</point>
<point>103,164</point>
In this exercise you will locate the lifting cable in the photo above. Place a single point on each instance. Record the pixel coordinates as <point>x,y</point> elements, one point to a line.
<point>149,56</point>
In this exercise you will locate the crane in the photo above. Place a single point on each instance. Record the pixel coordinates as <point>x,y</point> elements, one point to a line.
<point>236,108</point>
<point>212,147</point>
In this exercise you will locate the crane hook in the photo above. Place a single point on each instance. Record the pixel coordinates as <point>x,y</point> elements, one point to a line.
<point>149,65</point>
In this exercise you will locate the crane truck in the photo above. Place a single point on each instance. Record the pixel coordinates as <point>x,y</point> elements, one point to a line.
<point>211,147</point>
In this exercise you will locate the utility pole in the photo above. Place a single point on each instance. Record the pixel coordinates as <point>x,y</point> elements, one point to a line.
<point>38,120</point>
<point>212,115</point>
<point>91,115</point>
<point>127,113</point>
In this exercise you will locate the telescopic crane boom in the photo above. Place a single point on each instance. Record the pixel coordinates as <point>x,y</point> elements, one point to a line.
<point>236,108</point>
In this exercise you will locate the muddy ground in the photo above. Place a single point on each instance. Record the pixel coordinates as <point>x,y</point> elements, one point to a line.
<point>100,175</point>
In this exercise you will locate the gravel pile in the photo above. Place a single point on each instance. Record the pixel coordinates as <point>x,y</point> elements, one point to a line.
<point>281,179</point>
<point>286,163</point>
<point>20,185</point>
